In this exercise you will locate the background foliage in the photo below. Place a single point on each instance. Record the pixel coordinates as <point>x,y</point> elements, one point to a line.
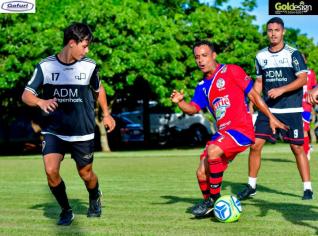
<point>134,41</point>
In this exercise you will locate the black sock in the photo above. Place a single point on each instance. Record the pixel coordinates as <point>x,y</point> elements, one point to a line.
<point>60,195</point>
<point>93,193</point>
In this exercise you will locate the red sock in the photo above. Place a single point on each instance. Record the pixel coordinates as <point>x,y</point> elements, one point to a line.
<point>216,167</point>
<point>306,144</point>
<point>204,186</point>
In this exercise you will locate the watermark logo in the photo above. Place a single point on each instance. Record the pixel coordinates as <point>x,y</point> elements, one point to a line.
<point>25,6</point>
<point>293,7</point>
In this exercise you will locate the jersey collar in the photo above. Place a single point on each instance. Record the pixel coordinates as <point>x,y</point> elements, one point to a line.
<point>211,77</point>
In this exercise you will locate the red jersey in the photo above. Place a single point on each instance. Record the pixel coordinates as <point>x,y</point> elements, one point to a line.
<point>311,83</point>
<point>224,94</point>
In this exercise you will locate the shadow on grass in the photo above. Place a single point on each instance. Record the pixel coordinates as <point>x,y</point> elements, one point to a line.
<point>280,160</point>
<point>235,188</point>
<point>52,210</point>
<point>295,213</point>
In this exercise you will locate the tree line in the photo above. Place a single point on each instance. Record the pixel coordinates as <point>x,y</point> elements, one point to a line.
<point>134,40</point>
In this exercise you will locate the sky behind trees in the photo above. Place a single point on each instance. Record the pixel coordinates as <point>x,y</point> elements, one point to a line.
<point>305,23</point>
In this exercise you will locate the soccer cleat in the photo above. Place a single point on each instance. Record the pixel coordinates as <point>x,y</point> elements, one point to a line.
<point>66,217</point>
<point>307,194</point>
<point>247,192</point>
<point>95,207</point>
<point>204,208</point>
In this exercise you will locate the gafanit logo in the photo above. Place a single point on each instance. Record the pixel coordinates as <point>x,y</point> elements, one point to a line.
<point>17,7</point>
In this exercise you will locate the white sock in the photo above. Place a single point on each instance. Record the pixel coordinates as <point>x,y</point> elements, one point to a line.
<point>252,182</point>
<point>307,185</point>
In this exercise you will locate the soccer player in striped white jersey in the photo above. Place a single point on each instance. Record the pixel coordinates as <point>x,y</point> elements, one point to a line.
<point>65,86</point>
<point>281,74</point>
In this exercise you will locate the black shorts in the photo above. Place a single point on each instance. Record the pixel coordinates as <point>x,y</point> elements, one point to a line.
<point>82,152</point>
<point>295,134</point>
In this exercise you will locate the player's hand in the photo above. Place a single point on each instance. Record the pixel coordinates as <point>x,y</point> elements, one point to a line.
<point>312,96</point>
<point>48,105</point>
<point>274,123</point>
<point>109,123</point>
<point>177,96</point>
<point>275,92</point>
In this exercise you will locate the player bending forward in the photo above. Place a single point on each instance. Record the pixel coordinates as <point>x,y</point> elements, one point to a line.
<point>223,92</point>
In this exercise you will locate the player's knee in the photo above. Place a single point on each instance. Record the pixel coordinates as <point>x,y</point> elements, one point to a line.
<point>201,174</point>
<point>212,155</point>
<point>52,173</point>
<point>297,149</point>
<point>86,175</point>
<point>256,147</point>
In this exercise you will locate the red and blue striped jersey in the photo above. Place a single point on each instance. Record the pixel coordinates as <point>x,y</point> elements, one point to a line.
<point>224,94</point>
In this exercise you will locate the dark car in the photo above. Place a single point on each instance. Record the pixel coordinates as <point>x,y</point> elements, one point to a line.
<point>126,134</point>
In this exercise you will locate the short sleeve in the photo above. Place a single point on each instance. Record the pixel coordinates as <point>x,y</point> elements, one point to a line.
<point>244,82</point>
<point>313,79</point>
<point>36,81</point>
<point>258,68</point>
<point>199,98</point>
<point>94,81</point>
<point>298,63</point>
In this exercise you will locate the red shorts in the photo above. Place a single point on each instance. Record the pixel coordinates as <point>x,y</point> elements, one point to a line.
<point>229,143</point>
<point>306,126</point>
<point>306,120</point>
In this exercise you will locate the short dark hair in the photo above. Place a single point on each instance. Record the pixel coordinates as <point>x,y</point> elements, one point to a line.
<point>276,20</point>
<point>203,42</point>
<point>78,32</point>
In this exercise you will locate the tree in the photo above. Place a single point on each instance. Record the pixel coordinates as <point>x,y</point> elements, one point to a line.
<point>134,40</point>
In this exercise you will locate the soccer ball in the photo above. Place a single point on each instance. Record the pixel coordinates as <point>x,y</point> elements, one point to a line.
<point>227,209</point>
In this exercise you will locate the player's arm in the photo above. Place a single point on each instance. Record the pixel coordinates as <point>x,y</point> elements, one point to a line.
<point>296,84</point>
<point>178,98</point>
<point>32,100</point>
<point>258,87</point>
<point>108,120</point>
<point>259,102</point>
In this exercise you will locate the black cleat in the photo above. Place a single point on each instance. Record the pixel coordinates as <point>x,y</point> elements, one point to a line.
<point>95,207</point>
<point>246,193</point>
<point>204,208</point>
<point>307,194</point>
<point>66,217</point>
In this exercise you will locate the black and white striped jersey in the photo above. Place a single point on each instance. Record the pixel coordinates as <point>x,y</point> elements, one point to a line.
<point>73,85</point>
<point>278,69</point>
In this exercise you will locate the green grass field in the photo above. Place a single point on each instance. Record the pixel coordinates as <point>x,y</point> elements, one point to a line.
<point>150,193</point>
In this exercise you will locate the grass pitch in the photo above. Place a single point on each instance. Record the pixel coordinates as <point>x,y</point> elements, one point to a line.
<point>151,192</point>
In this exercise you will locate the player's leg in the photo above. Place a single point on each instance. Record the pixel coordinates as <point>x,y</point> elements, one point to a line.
<point>91,182</point>
<point>307,145</point>
<point>263,133</point>
<point>304,170</point>
<point>217,165</point>
<point>306,116</point>
<point>82,153</point>
<point>205,207</point>
<point>53,153</point>
<point>295,136</point>
<point>211,168</point>
<point>254,165</point>
<point>203,176</point>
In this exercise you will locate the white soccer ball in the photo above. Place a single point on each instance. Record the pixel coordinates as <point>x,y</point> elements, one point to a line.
<point>227,209</point>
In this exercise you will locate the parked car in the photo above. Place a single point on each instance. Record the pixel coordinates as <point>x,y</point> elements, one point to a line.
<point>126,134</point>
<point>173,129</point>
